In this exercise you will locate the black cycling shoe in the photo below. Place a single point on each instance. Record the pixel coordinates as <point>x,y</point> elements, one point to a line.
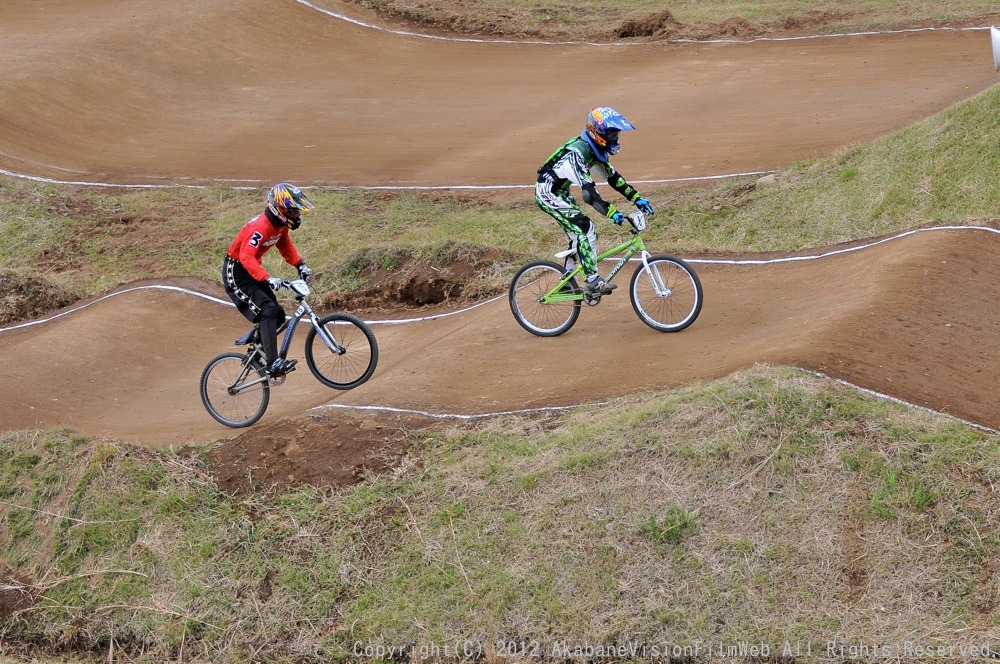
<point>280,367</point>
<point>599,287</point>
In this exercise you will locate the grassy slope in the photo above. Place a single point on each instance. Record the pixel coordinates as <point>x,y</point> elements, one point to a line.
<point>939,171</point>
<point>765,507</point>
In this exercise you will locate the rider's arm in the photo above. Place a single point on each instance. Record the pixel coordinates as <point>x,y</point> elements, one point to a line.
<point>574,169</point>
<point>619,184</point>
<point>288,250</point>
<point>252,241</point>
<point>593,199</point>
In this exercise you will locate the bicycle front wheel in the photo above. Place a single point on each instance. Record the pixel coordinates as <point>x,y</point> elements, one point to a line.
<point>666,294</point>
<point>235,390</point>
<point>545,319</point>
<point>352,359</point>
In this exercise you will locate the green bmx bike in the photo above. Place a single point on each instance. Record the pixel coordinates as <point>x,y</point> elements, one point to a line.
<point>666,294</point>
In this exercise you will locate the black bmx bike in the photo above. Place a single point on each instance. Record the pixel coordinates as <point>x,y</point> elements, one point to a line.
<point>340,349</point>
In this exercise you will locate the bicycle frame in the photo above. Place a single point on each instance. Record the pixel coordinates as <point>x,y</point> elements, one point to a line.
<point>630,248</point>
<point>340,350</point>
<point>288,327</point>
<point>291,323</point>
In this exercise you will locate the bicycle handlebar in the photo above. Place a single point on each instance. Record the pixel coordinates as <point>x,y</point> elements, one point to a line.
<point>300,291</point>
<point>287,283</point>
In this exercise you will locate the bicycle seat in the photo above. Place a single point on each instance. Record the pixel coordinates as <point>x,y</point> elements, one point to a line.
<point>568,251</point>
<point>248,337</point>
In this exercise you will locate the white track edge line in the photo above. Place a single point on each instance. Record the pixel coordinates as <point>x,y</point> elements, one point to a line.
<point>456,416</point>
<point>370,26</point>
<point>400,321</point>
<point>245,184</point>
<point>407,33</point>
<point>793,259</point>
<point>550,409</point>
<point>110,295</point>
<point>558,408</point>
<point>896,400</point>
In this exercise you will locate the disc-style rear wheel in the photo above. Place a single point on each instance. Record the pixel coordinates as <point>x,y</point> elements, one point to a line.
<point>545,319</point>
<point>666,294</point>
<point>235,390</point>
<point>352,359</point>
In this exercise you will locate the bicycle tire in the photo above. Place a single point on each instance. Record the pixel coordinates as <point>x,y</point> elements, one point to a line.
<point>346,370</point>
<point>681,305</point>
<point>528,286</point>
<point>236,410</point>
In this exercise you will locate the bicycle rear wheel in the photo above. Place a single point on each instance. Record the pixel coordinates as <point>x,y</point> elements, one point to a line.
<point>349,365</point>
<point>531,283</point>
<point>666,295</point>
<point>235,390</point>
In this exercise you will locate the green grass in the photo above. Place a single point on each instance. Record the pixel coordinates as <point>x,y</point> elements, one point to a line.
<point>503,533</point>
<point>936,172</point>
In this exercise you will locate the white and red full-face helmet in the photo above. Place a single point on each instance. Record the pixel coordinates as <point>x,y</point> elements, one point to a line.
<point>603,125</point>
<point>286,201</point>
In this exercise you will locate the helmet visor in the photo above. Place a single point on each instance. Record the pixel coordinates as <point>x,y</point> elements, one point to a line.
<point>613,146</point>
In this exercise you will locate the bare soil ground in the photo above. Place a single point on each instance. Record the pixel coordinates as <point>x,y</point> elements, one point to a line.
<point>557,21</point>
<point>130,92</point>
<point>916,318</point>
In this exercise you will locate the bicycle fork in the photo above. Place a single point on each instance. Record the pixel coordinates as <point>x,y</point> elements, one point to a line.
<point>326,337</point>
<point>661,288</point>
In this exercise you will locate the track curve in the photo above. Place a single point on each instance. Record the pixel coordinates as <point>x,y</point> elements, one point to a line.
<point>125,91</point>
<point>192,91</point>
<point>916,317</point>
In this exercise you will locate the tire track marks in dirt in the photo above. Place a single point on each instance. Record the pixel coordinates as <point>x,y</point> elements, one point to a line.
<point>915,318</point>
<point>133,92</point>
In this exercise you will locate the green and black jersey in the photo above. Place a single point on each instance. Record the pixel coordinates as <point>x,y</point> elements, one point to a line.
<point>572,164</point>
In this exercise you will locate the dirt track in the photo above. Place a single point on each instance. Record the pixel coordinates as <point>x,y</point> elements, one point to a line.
<point>917,317</point>
<point>133,91</point>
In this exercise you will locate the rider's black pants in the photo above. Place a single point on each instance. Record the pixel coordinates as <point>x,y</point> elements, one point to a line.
<point>256,301</point>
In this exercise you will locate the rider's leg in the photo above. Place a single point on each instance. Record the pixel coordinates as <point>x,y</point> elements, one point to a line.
<point>242,289</point>
<point>576,225</point>
<point>271,317</point>
<point>258,304</point>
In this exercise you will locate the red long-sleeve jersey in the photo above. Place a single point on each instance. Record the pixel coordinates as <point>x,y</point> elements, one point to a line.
<point>254,240</point>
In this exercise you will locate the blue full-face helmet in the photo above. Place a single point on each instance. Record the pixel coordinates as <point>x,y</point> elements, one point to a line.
<point>603,125</point>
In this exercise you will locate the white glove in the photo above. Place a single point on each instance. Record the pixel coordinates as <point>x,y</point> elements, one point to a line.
<point>274,283</point>
<point>304,272</point>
